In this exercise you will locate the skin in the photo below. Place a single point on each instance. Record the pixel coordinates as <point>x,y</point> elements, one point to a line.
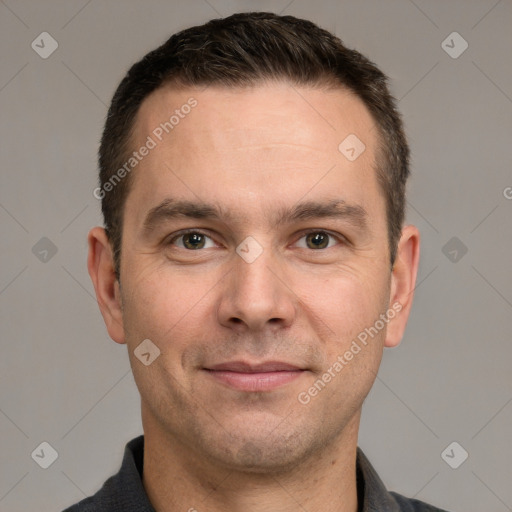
<point>253,151</point>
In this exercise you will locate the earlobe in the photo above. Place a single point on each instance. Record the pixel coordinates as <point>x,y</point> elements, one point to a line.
<point>403,282</point>
<point>100,265</point>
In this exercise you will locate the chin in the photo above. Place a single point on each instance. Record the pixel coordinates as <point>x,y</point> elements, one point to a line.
<point>264,452</point>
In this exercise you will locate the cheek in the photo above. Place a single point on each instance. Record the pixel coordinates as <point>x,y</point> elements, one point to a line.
<point>346,303</point>
<point>164,306</point>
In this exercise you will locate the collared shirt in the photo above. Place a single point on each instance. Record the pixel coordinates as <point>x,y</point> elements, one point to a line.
<point>124,491</point>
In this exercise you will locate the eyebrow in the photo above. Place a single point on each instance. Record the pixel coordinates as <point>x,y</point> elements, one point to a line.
<point>170,209</point>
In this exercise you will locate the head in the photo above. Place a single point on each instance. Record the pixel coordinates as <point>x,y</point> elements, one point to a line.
<point>294,248</point>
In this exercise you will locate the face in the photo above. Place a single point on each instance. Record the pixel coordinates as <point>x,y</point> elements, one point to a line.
<point>254,256</point>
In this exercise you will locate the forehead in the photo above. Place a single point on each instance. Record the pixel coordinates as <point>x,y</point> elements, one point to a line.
<point>251,142</point>
<point>244,113</point>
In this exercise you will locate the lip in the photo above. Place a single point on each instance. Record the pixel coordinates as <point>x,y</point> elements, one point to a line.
<point>244,367</point>
<point>254,377</point>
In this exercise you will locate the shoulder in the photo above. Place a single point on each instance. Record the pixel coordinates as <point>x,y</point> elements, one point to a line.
<point>105,500</point>
<point>122,491</point>
<point>376,497</point>
<point>412,505</point>
<point>87,505</point>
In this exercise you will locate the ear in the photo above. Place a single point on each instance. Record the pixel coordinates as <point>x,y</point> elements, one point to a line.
<point>403,282</point>
<point>100,264</point>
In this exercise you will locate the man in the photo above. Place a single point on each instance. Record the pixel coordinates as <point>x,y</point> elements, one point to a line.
<point>254,260</point>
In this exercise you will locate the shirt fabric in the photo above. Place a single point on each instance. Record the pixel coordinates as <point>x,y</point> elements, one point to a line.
<point>124,491</point>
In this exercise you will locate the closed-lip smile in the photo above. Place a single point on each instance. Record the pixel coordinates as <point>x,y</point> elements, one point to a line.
<point>254,377</point>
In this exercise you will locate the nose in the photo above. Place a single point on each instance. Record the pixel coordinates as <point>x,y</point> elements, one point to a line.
<point>256,296</point>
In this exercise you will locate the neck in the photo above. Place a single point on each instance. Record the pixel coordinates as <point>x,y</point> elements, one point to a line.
<point>177,478</point>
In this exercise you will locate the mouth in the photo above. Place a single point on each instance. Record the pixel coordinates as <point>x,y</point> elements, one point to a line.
<point>254,377</point>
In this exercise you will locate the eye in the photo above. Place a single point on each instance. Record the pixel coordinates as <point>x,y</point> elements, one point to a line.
<point>192,240</point>
<point>317,240</point>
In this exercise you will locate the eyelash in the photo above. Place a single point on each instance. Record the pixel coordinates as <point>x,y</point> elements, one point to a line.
<point>339,238</point>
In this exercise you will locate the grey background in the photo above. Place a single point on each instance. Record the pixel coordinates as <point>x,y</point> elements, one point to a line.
<point>62,380</point>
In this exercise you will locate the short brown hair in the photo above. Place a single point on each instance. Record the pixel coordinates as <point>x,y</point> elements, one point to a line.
<point>245,49</point>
